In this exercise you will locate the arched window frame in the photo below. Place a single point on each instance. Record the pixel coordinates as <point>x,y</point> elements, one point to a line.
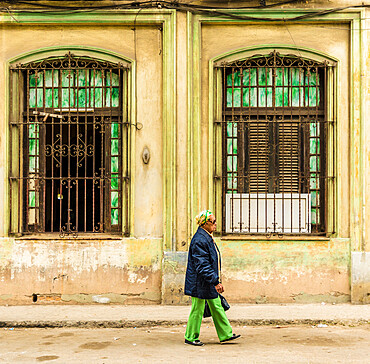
<point>216,147</point>
<point>88,58</point>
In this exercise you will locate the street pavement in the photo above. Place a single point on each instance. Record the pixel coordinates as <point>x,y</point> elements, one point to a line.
<point>165,344</point>
<point>125,316</point>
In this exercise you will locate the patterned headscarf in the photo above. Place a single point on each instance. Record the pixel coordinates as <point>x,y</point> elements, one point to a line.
<point>203,217</point>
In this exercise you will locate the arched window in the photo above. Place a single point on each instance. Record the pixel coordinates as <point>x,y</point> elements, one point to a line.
<point>274,145</point>
<point>70,129</point>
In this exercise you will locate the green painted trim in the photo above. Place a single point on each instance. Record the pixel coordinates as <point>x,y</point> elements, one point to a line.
<point>281,15</point>
<point>264,49</point>
<point>132,144</point>
<point>6,192</point>
<point>356,137</point>
<point>351,16</point>
<point>194,122</point>
<point>118,17</point>
<point>190,152</point>
<point>57,51</point>
<point>169,132</point>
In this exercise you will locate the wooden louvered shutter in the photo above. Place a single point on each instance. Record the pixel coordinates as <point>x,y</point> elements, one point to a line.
<point>258,156</point>
<point>288,157</point>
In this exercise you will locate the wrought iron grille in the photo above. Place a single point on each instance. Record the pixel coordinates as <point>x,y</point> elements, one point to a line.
<point>69,127</point>
<point>275,145</point>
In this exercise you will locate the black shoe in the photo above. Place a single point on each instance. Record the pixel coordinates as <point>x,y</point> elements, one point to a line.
<point>195,342</point>
<point>231,338</point>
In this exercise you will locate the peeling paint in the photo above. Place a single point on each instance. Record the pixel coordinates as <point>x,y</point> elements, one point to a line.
<point>74,271</point>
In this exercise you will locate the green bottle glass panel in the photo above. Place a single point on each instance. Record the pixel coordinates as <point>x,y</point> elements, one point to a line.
<point>82,96</point>
<point>237,101</point>
<point>233,97</point>
<point>314,181</point>
<point>51,100</point>
<point>314,130</point>
<point>96,78</point>
<point>36,97</point>
<point>67,98</point>
<point>32,98</point>
<point>32,80</point>
<point>250,97</point>
<point>67,78</point>
<point>312,79</point>
<point>232,129</point>
<point>264,76</point>
<point>313,198</point>
<point>287,96</point>
<point>114,164</point>
<point>229,97</point>
<point>297,96</point>
<point>114,182</point>
<point>112,79</point>
<point>114,147</point>
<point>83,78</point>
<point>98,97</point>
<point>51,78</point>
<point>114,216</point>
<point>115,97</point>
<point>107,97</point>
<point>313,164</point>
<point>232,146</point>
<point>265,97</point>
<point>232,163</point>
<point>114,130</point>
<point>114,198</point>
<point>31,198</point>
<point>237,78</point>
<point>32,146</point>
<point>231,181</point>
<point>40,97</point>
<point>32,130</point>
<point>279,95</point>
<point>314,97</point>
<point>315,146</point>
<point>115,79</point>
<point>39,76</point>
<point>250,77</point>
<point>313,216</point>
<point>295,75</point>
<point>33,164</point>
<point>229,79</point>
<point>279,77</point>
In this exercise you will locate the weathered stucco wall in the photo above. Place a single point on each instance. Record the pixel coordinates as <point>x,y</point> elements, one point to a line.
<point>60,270</point>
<point>272,271</point>
<point>73,271</point>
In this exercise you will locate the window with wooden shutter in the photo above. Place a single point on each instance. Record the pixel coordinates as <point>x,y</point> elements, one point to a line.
<point>274,129</point>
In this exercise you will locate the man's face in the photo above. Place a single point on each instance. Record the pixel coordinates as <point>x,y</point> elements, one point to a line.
<point>211,224</point>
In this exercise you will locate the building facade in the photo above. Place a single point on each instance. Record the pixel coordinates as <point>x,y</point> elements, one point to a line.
<point>121,122</point>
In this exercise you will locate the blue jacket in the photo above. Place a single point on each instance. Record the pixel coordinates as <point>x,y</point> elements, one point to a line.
<point>202,269</point>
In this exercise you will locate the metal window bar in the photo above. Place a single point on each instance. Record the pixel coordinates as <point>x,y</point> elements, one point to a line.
<point>69,131</point>
<point>278,105</point>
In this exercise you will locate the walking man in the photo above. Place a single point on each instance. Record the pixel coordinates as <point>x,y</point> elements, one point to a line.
<point>203,282</point>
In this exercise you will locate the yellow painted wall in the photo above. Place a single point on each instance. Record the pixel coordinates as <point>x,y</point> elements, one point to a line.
<point>129,270</point>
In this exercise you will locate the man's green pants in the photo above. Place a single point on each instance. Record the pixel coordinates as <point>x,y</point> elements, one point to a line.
<point>222,324</point>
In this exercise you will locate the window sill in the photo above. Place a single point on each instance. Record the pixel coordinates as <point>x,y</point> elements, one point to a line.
<point>56,236</point>
<point>273,238</point>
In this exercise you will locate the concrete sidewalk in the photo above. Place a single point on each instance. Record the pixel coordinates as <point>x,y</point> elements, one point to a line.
<point>117,316</point>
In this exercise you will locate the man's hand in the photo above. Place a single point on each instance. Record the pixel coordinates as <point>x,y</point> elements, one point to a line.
<point>219,288</point>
